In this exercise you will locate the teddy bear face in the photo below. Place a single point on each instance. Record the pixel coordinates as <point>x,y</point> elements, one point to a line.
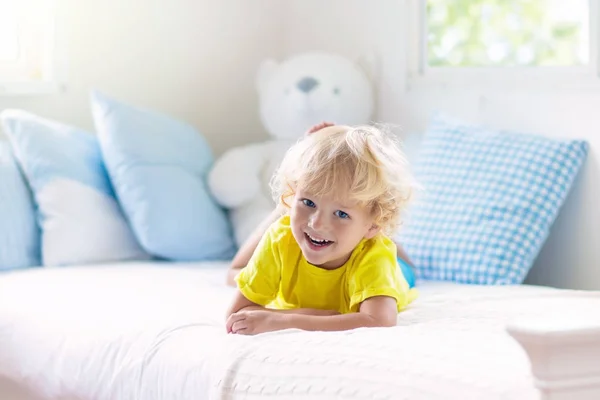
<point>310,88</point>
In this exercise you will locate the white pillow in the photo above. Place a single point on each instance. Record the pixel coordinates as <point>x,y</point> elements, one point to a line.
<point>80,217</point>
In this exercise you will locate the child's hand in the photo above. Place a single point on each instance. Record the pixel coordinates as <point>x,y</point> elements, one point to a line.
<point>318,127</point>
<point>252,322</point>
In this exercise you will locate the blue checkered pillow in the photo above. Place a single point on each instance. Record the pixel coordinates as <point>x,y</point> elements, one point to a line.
<point>489,198</point>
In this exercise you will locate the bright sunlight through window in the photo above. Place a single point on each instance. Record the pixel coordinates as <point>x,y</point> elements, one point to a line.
<point>9,38</point>
<point>507,33</point>
<point>26,42</point>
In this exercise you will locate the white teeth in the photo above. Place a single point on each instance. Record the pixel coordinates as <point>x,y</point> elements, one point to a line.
<point>319,241</point>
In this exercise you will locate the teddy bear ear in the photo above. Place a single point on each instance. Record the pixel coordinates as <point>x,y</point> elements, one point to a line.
<point>265,71</point>
<point>369,63</point>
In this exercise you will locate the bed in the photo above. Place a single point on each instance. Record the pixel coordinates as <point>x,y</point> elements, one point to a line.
<point>151,330</point>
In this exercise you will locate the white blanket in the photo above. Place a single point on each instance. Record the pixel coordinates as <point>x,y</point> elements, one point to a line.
<point>156,331</point>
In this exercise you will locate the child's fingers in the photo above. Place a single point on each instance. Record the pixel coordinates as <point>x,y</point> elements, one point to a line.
<point>312,129</point>
<point>322,125</point>
<point>318,127</point>
<point>239,326</point>
<point>233,318</point>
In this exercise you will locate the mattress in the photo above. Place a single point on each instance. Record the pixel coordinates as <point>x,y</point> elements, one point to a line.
<point>150,330</point>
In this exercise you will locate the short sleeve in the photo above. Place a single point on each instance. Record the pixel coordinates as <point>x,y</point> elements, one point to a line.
<point>259,281</point>
<point>376,273</point>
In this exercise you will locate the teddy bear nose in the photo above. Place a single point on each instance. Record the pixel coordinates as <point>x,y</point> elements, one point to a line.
<point>307,84</point>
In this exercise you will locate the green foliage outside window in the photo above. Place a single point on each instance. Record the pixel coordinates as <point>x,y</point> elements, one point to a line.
<point>480,33</point>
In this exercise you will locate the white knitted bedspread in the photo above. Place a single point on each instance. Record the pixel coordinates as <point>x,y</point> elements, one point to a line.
<point>153,331</point>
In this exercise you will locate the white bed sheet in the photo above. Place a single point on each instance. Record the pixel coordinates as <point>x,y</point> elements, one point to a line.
<point>155,331</point>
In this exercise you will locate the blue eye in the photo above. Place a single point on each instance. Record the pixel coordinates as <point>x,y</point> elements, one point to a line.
<point>308,203</point>
<point>341,214</point>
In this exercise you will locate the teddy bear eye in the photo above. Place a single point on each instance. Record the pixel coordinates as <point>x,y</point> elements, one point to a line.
<point>336,90</point>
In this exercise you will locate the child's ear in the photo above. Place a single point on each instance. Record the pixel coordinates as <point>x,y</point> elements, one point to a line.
<point>373,230</point>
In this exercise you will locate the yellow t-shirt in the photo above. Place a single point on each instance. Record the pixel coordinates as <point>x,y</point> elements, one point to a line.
<point>278,276</point>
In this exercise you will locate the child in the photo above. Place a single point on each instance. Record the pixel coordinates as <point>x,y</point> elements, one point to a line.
<point>242,257</point>
<point>327,263</point>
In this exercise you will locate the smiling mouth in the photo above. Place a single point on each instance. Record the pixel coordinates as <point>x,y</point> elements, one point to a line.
<point>317,242</point>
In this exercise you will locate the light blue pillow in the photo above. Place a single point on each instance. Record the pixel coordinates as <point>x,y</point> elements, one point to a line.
<point>159,166</point>
<point>19,233</point>
<point>489,200</point>
<point>80,219</point>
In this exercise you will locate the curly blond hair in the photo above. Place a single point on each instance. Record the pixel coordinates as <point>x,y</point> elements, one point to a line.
<point>363,164</point>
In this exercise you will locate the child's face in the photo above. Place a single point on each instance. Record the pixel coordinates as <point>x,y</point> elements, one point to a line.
<point>327,231</point>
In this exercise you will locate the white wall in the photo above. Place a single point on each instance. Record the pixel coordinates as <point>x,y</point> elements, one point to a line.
<point>354,28</point>
<point>193,59</point>
<point>571,256</point>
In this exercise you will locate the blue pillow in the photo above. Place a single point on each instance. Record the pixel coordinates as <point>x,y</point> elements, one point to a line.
<point>77,211</point>
<point>489,200</point>
<point>19,233</point>
<point>159,167</point>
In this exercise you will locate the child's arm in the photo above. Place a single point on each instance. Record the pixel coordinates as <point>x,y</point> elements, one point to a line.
<point>241,306</point>
<point>241,303</point>
<point>378,311</point>
<point>245,252</point>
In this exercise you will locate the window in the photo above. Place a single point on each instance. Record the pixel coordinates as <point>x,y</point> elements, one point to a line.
<point>27,46</point>
<point>502,41</point>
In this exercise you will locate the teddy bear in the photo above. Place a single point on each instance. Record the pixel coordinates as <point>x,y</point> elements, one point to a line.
<point>295,94</point>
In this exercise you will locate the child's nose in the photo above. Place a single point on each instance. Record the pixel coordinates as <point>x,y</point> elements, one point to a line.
<point>317,221</point>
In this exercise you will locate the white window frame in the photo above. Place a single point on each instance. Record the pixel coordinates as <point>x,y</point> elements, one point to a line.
<point>52,68</point>
<point>420,75</point>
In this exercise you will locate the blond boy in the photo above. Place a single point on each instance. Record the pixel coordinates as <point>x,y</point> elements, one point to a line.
<point>327,263</point>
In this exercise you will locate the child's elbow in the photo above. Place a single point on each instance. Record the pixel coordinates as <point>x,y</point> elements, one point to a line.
<point>383,321</point>
<point>231,274</point>
<point>381,310</point>
<point>380,321</point>
<point>388,322</point>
